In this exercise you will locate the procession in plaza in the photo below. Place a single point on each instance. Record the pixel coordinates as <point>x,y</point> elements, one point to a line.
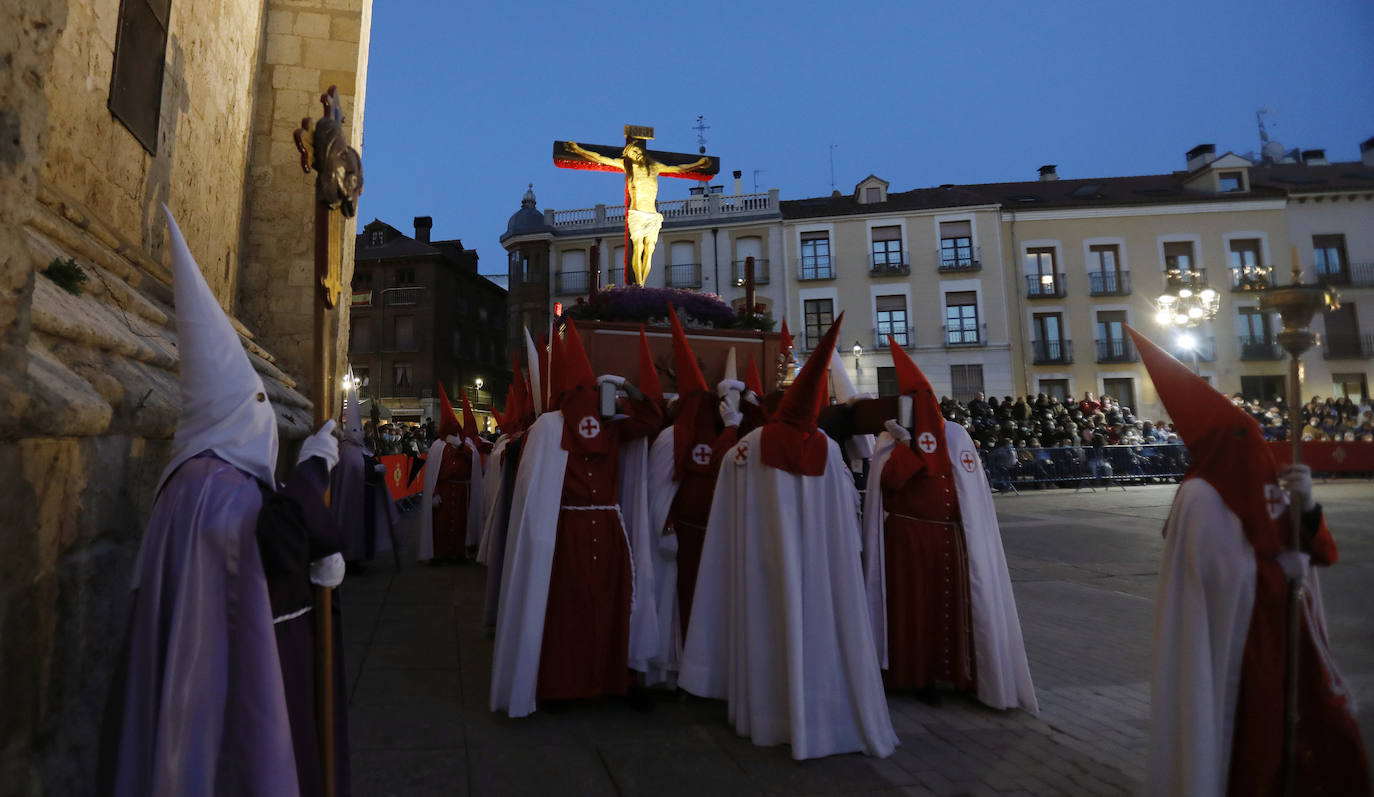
<point>697,489</point>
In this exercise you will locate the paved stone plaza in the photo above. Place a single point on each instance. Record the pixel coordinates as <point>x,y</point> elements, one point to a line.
<point>1083,566</point>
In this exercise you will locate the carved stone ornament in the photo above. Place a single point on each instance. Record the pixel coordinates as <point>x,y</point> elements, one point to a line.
<point>338,167</point>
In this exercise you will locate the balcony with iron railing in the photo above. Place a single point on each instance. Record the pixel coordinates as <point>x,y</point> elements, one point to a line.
<point>1246,279</point>
<point>1255,347</point>
<point>1347,347</point>
<point>959,260</point>
<point>1115,350</point>
<point>958,336</point>
<point>815,267</point>
<point>1045,286</point>
<point>1205,346</point>
<point>1357,275</point>
<point>760,271</point>
<point>710,207</point>
<point>890,264</point>
<point>404,296</point>
<point>567,283</point>
<point>1190,278</point>
<point>905,336</point>
<point>684,275</point>
<point>1109,283</point>
<point>1051,352</point>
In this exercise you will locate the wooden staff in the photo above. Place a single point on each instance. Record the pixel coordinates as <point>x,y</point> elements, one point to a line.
<point>1296,304</point>
<point>338,182</point>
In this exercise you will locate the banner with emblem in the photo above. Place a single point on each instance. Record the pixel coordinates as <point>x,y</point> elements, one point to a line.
<point>398,481</point>
<point>1329,456</point>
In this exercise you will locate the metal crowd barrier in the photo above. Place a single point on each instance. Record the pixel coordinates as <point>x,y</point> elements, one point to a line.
<point>1086,467</point>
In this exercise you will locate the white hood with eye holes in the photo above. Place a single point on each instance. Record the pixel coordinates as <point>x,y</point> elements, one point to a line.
<point>224,403</point>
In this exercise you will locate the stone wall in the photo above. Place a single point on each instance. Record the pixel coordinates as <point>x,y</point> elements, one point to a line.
<point>89,396</point>
<point>309,46</point>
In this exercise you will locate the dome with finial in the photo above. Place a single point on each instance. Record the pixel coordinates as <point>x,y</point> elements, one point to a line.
<point>527,220</point>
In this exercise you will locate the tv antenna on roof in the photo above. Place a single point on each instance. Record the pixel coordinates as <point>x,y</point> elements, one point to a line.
<point>832,166</point>
<point>757,172</point>
<point>701,127</point>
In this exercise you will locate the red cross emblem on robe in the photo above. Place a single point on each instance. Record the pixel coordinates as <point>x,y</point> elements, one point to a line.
<point>926,441</point>
<point>589,427</point>
<point>741,453</point>
<point>701,454</point>
<point>968,460</point>
<point>1276,500</point>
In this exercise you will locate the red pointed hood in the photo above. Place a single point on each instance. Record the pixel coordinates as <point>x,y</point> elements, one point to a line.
<point>516,399</point>
<point>1225,444</point>
<point>689,378</point>
<point>786,339</point>
<point>790,440</point>
<point>694,422</point>
<point>751,378</point>
<point>648,383</point>
<point>469,420</point>
<point>448,421</point>
<point>927,423</point>
<point>583,428</point>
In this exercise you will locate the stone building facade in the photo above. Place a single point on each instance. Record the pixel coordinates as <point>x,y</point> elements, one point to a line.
<point>99,129</point>
<point>422,315</point>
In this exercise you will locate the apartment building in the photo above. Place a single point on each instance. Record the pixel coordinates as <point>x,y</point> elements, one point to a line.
<point>1017,287</point>
<point>421,315</point>
<point>923,266</point>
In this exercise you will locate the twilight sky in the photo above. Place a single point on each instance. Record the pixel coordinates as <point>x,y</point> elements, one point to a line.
<point>465,99</point>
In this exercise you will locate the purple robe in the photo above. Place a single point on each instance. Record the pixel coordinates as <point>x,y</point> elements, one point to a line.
<point>293,530</point>
<point>346,498</point>
<point>197,705</point>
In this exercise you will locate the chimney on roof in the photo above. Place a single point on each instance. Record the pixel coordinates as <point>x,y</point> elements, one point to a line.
<point>738,189</point>
<point>423,224</point>
<point>1367,151</point>
<point>1315,157</point>
<point>1200,156</point>
<point>1049,172</point>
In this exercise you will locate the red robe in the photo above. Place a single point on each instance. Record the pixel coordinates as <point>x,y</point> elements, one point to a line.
<point>1331,759</point>
<point>586,642</point>
<point>451,515</point>
<point>929,611</point>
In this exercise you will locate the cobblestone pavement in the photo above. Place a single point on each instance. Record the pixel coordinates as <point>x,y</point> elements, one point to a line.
<point>1083,566</point>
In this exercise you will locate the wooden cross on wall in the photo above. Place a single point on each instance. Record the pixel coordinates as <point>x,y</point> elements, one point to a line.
<point>642,167</point>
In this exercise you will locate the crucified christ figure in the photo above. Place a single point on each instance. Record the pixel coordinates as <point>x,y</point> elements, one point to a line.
<point>641,183</point>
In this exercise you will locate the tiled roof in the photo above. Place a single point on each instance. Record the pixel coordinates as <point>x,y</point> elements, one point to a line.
<point>847,205</point>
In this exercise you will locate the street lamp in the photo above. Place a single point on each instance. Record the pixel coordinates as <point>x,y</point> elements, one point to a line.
<point>858,350</point>
<point>478,382</point>
<point>1187,304</point>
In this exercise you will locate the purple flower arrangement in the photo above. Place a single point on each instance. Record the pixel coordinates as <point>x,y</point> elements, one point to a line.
<point>647,305</point>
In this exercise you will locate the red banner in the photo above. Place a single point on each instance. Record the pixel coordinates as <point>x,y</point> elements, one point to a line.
<point>398,480</point>
<point>1329,456</point>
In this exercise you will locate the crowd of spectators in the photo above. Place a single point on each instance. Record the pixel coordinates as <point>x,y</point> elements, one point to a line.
<point>1332,419</point>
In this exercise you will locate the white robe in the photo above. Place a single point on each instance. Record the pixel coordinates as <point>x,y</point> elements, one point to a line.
<point>1003,676</point>
<point>532,533</point>
<point>778,620</point>
<point>1203,606</point>
<point>432,460</point>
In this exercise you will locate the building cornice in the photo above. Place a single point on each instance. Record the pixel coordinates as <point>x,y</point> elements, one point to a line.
<point>1242,206</point>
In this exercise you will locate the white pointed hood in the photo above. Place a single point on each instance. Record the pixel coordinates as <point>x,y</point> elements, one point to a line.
<point>731,371</point>
<point>858,446</point>
<point>353,419</point>
<point>224,406</point>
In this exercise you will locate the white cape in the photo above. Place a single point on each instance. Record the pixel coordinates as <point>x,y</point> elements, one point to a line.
<point>1203,605</point>
<point>1004,679</point>
<point>532,532</point>
<point>432,460</point>
<point>662,491</point>
<point>778,620</point>
<point>492,482</point>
